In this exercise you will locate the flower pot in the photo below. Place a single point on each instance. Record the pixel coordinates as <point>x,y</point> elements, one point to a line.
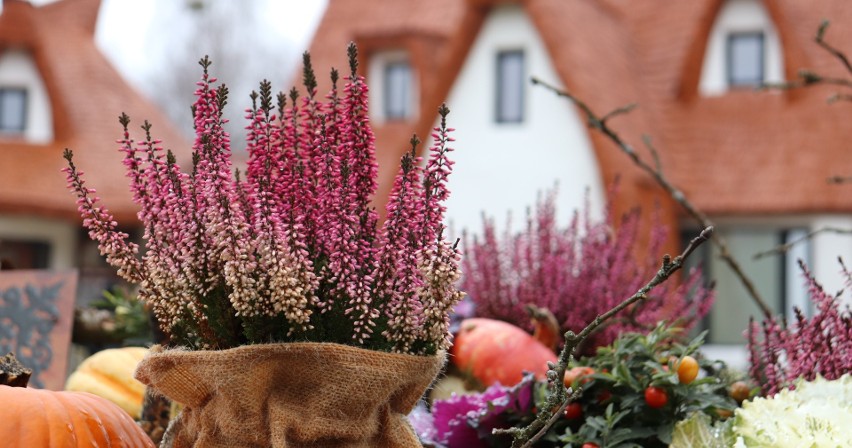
<point>290,395</point>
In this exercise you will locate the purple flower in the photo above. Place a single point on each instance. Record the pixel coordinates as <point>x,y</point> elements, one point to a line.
<point>821,345</point>
<point>468,420</point>
<point>577,272</point>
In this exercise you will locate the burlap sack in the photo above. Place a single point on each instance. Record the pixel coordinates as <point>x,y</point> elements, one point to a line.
<point>290,395</point>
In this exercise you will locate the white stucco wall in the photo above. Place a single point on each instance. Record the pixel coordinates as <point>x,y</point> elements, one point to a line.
<point>826,248</point>
<point>17,69</point>
<point>739,16</point>
<point>60,235</point>
<point>501,167</point>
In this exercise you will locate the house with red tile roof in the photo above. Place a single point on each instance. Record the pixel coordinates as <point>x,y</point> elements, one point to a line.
<point>57,91</point>
<point>755,161</point>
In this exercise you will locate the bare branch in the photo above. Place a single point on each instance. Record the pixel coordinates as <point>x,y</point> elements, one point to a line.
<point>839,97</point>
<point>674,192</point>
<point>556,415</point>
<point>834,52</point>
<point>620,111</point>
<point>658,166</point>
<point>808,78</point>
<point>839,179</point>
<point>783,248</point>
<point>557,398</point>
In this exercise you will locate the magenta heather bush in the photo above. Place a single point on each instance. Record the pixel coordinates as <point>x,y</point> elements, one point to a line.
<point>292,251</point>
<point>577,272</point>
<point>820,345</point>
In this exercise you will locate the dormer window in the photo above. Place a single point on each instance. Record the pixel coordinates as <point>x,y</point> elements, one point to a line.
<point>394,80</point>
<point>13,110</point>
<point>745,59</point>
<point>25,111</point>
<point>397,90</point>
<point>743,49</point>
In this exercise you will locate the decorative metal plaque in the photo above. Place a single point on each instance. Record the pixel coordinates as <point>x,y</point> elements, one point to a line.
<point>36,317</point>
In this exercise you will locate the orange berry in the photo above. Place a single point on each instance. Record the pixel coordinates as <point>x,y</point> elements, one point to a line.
<point>687,370</point>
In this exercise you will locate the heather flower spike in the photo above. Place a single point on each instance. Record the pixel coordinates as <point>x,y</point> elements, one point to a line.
<point>292,250</point>
<point>113,244</point>
<point>781,353</point>
<point>577,271</point>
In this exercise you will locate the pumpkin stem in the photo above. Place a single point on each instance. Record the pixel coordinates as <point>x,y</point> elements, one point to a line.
<point>13,373</point>
<point>545,326</point>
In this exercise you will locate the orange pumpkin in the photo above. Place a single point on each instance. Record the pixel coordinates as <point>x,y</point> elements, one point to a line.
<point>48,419</point>
<point>495,351</point>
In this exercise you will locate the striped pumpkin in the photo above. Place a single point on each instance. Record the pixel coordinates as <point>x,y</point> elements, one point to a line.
<point>109,374</point>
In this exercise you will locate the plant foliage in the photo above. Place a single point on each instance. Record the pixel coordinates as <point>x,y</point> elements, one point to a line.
<point>578,272</point>
<point>292,251</point>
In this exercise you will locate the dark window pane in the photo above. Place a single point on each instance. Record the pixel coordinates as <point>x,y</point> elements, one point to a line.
<point>13,108</point>
<point>510,86</point>
<point>745,59</point>
<point>24,254</point>
<point>397,87</point>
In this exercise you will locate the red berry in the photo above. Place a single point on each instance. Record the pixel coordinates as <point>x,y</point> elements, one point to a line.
<point>656,397</point>
<point>573,411</point>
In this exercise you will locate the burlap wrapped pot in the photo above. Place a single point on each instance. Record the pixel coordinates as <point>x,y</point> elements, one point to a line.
<point>289,395</point>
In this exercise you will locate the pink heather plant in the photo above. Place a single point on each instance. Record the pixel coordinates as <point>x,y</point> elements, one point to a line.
<point>821,345</point>
<point>291,251</point>
<point>577,272</point>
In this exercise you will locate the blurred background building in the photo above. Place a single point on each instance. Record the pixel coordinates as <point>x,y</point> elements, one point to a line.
<point>755,161</point>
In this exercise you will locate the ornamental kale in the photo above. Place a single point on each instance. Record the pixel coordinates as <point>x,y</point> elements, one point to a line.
<point>468,420</point>
<point>813,413</point>
<point>292,250</point>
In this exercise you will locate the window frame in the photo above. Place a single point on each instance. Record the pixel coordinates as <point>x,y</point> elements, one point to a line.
<point>783,299</point>
<point>408,113</point>
<point>499,116</point>
<point>24,109</point>
<point>729,56</point>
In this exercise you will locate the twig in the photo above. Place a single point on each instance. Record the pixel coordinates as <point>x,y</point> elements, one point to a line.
<point>839,97</point>
<point>658,166</point>
<point>556,415</point>
<point>839,179</point>
<point>783,248</point>
<point>835,52</point>
<point>806,78</point>
<point>675,193</point>
<point>809,78</point>
<point>557,397</point>
<point>623,110</point>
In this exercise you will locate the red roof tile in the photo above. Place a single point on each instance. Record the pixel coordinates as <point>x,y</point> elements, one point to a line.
<point>86,95</point>
<point>739,153</point>
<point>747,152</point>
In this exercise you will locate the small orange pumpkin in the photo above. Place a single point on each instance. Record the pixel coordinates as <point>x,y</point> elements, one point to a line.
<point>48,419</point>
<point>495,351</point>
